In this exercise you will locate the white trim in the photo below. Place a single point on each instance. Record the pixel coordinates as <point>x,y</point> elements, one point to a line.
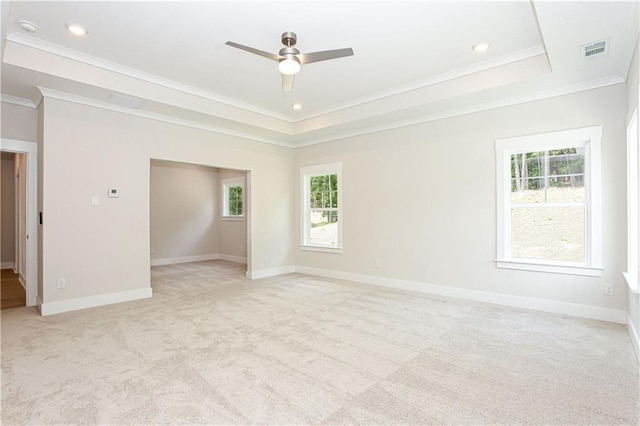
<point>94,301</point>
<point>31,149</point>
<point>590,139</point>
<point>81,100</point>
<point>97,62</point>
<point>6,265</point>
<point>8,99</point>
<point>421,84</point>
<point>544,305</point>
<point>635,338</point>
<point>305,188</point>
<point>632,282</point>
<point>231,258</point>
<point>456,112</point>
<point>524,265</point>
<point>272,272</point>
<point>23,281</point>
<point>184,259</point>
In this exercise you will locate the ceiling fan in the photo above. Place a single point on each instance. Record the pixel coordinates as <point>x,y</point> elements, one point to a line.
<point>290,59</point>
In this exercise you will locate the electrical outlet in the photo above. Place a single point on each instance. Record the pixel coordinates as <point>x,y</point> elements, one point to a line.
<point>376,263</point>
<point>608,289</point>
<point>266,259</point>
<point>62,283</point>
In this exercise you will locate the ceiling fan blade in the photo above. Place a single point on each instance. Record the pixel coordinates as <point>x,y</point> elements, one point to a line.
<point>308,58</point>
<point>287,82</point>
<point>252,50</point>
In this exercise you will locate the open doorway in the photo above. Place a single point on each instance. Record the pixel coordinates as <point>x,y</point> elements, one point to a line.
<point>18,252</point>
<point>198,214</point>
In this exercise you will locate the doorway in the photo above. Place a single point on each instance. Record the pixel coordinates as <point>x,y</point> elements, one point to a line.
<point>198,213</point>
<point>22,246</point>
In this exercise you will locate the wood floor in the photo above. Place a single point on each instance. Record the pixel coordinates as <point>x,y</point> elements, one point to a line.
<point>11,292</point>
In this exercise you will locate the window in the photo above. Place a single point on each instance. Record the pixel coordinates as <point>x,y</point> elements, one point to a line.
<point>232,198</point>
<point>549,211</point>
<point>633,204</point>
<point>321,210</point>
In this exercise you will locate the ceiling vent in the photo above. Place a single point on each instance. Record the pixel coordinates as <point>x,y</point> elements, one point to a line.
<point>124,101</point>
<point>595,49</point>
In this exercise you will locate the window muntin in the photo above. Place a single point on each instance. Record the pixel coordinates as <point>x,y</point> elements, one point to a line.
<point>233,198</point>
<point>321,210</point>
<point>549,202</point>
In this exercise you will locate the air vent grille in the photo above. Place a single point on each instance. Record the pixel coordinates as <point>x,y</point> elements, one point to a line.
<point>594,49</point>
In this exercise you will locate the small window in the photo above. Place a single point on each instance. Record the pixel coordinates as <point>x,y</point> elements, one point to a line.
<point>321,209</point>
<point>549,202</point>
<point>233,198</point>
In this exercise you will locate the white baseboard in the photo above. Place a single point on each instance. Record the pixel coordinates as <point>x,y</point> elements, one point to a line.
<point>635,339</point>
<point>184,259</point>
<point>231,258</point>
<point>7,265</point>
<point>23,281</point>
<point>93,301</point>
<point>272,272</point>
<point>197,258</point>
<point>572,309</point>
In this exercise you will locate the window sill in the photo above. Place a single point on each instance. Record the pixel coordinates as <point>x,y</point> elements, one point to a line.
<point>632,282</point>
<point>233,218</point>
<point>554,268</point>
<point>323,249</point>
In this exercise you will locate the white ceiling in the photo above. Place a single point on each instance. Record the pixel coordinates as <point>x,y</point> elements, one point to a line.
<point>413,60</point>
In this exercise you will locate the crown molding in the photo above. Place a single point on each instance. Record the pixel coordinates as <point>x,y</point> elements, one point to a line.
<point>81,100</point>
<point>8,99</point>
<point>420,84</point>
<point>530,97</point>
<point>74,55</point>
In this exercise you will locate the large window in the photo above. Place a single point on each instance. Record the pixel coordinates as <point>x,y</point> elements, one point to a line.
<point>549,202</point>
<point>232,198</point>
<point>633,204</point>
<point>321,209</point>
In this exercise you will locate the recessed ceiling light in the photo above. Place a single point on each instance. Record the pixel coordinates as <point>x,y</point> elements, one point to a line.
<point>76,29</point>
<point>28,26</point>
<point>296,106</point>
<point>481,47</point>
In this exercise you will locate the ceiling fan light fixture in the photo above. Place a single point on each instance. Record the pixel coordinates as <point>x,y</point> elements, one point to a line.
<point>289,65</point>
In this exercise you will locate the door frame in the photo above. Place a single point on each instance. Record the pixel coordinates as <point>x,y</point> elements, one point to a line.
<point>31,175</point>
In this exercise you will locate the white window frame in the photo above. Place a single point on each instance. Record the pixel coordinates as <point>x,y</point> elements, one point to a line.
<point>633,204</point>
<point>305,184</point>
<point>590,139</point>
<point>226,184</point>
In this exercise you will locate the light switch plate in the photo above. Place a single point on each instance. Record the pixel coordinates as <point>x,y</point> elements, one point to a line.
<point>113,193</point>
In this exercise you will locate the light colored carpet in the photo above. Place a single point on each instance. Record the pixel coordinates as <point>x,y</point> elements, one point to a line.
<point>212,347</point>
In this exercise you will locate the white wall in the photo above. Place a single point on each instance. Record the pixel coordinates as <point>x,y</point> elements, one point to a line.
<point>422,200</point>
<point>18,122</point>
<point>105,249</point>
<point>184,204</point>
<point>7,211</point>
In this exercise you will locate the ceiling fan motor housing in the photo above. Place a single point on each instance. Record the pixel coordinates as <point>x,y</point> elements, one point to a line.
<point>289,38</point>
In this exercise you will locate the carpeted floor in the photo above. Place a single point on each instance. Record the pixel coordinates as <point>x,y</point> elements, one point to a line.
<point>212,347</point>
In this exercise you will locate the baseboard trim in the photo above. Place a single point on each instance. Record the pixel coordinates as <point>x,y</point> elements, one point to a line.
<point>93,301</point>
<point>272,272</point>
<point>184,259</point>
<point>23,281</point>
<point>635,339</point>
<point>7,265</point>
<point>231,258</point>
<point>572,309</point>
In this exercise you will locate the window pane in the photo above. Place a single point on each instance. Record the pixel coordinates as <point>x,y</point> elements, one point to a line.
<point>535,193</point>
<point>567,194</point>
<point>234,200</point>
<point>550,233</point>
<point>324,228</point>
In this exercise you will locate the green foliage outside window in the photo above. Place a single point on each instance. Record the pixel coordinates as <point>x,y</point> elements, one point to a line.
<point>234,200</point>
